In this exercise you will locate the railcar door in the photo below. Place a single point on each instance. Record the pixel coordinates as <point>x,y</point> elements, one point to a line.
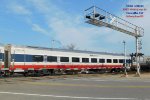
<point>1,59</point>
<point>7,56</point>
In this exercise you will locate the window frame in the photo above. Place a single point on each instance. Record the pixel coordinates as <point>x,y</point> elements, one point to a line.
<point>62,59</point>
<point>74,59</point>
<point>115,60</point>
<point>39,59</point>
<point>121,61</point>
<point>86,60</point>
<point>52,59</point>
<point>94,61</point>
<point>109,61</point>
<point>18,57</point>
<point>102,60</point>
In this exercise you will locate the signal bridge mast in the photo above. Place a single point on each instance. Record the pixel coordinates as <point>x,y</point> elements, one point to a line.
<point>99,17</point>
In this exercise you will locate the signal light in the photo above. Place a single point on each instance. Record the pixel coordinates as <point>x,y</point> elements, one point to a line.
<point>101,17</point>
<point>89,17</point>
<point>96,15</point>
<point>134,54</point>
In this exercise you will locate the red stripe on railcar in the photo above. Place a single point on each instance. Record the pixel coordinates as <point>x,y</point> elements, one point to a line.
<point>79,67</point>
<point>36,67</point>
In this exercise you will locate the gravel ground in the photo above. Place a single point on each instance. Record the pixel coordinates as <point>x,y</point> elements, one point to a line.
<point>17,79</point>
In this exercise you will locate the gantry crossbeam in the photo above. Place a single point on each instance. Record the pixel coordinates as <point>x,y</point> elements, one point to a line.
<point>100,17</point>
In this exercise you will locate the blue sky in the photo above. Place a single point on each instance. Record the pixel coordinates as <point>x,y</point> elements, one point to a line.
<point>38,22</point>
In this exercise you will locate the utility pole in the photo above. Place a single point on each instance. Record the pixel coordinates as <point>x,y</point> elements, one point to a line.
<point>55,44</point>
<point>137,57</point>
<point>125,63</point>
<point>52,44</point>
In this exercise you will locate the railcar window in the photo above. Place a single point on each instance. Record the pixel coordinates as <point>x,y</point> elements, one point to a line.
<point>128,61</point>
<point>115,61</point>
<point>93,60</point>
<point>102,60</point>
<point>120,60</point>
<point>18,57</point>
<point>51,58</point>
<point>38,58</point>
<point>75,59</point>
<point>1,56</point>
<point>64,59</point>
<point>29,58</point>
<point>85,60</point>
<point>109,60</point>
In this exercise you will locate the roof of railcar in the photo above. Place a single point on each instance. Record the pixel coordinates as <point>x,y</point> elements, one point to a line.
<point>74,51</point>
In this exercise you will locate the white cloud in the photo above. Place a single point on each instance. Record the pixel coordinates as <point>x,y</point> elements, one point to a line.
<point>67,28</point>
<point>37,28</point>
<point>69,31</point>
<point>19,9</point>
<point>41,5</point>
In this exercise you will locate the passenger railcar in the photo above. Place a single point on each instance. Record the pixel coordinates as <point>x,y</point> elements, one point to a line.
<point>38,60</point>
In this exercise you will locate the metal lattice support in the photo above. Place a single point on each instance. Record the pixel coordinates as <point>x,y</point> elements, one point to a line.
<point>99,17</point>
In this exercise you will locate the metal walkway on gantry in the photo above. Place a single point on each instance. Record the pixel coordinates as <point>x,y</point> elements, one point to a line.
<point>100,17</point>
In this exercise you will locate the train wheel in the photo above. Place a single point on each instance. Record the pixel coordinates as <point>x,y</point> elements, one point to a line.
<point>118,70</point>
<point>12,73</point>
<point>102,71</point>
<point>1,73</point>
<point>37,73</point>
<point>45,72</point>
<point>52,72</point>
<point>6,73</point>
<point>48,72</point>
<point>26,74</point>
